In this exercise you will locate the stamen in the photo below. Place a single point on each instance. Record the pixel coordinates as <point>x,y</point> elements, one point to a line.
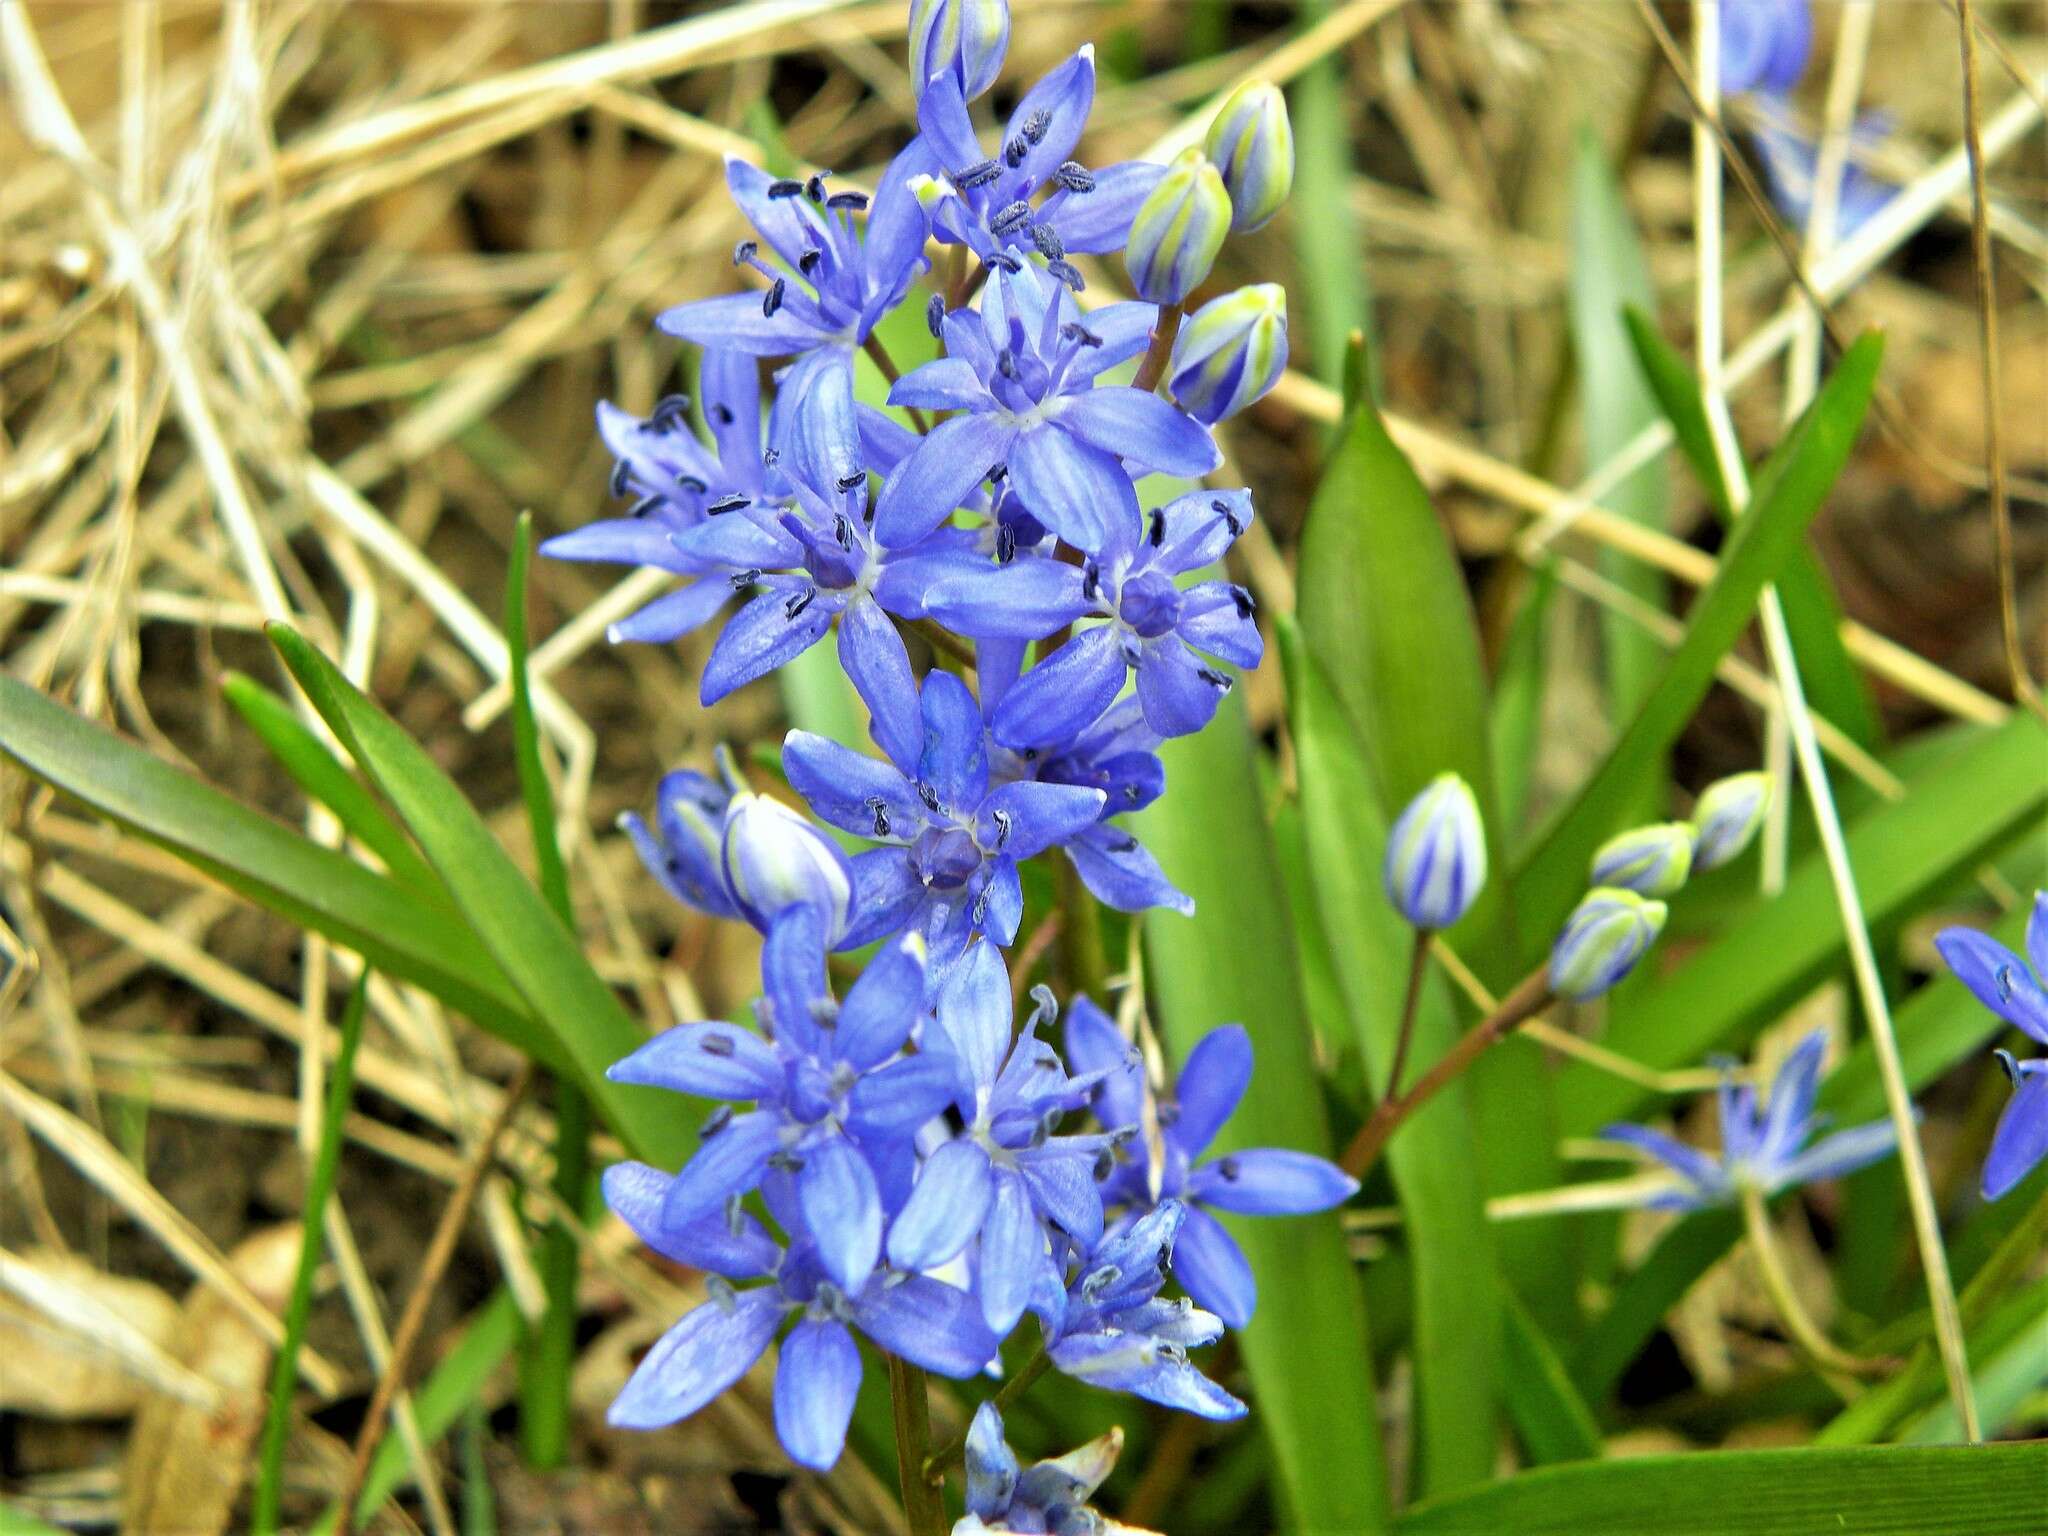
<point>1002,261</point>
<point>1213,678</point>
<point>669,411</point>
<point>744,253</point>
<point>1243,599</point>
<point>643,506</point>
<point>717,1045</point>
<point>1074,331</point>
<point>930,797</point>
<point>934,316</point>
<point>797,604</point>
<point>622,480</point>
<point>1075,177</point>
<point>1035,126</point>
<point>808,262</point>
<point>741,580</point>
<point>1014,152</point>
<point>842,530</point>
<point>853,481</point>
<point>814,189</point>
<point>728,503</point>
<point>1066,272</point>
<point>786,1162</point>
<point>785,188</point>
<point>853,200</point>
<point>1222,509</point>
<point>1006,545</point>
<point>1002,821</point>
<point>772,300</point>
<point>977,175</point>
<point>1156,534</point>
<point>876,805</point>
<point>1091,582</point>
<point>721,414</point>
<point>715,1122</point>
<point>1230,1170</point>
<point>1006,363</point>
<point>1008,219</point>
<point>1048,241</point>
<point>690,482</point>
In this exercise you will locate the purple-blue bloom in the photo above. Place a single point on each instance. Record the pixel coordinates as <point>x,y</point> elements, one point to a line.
<point>1791,163</point>
<point>1021,374</point>
<point>1049,1498</point>
<point>2005,984</point>
<point>1764,44</point>
<point>1262,1181</point>
<point>1764,1150</point>
<point>1117,755</point>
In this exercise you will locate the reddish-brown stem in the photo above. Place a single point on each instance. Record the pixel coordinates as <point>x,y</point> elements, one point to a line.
<point>1418,962</point>
<point>1154,367</point>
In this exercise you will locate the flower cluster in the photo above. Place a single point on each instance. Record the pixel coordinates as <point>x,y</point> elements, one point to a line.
<point>900,1159</point>
<point>2013,989</point>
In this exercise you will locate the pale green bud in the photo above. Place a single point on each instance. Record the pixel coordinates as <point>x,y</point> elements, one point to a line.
<point>1602,940</point>
<point>1252,143</point>
<point>1178,230</point>
<point>1728,814</point>
<point>1651,861</point>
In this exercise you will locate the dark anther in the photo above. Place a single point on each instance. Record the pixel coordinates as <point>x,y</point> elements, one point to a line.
<point>814,189</point>
<point>1003,261</point>
<point>786,1162</point>
<point>1036,124</point>
<point>785,188</point>
<point>1125,845</point>
<point>853,481</point>
<point>1105,1164</point>
<point>735,1215</point>
<point>977,175</point>
<point>1222,509</point>
<point>717,1045</point>
<point>772,300</point>
<point>731,502</point>
<point>935,315</point>
<point>771,456</point>
<point>1002,821</point>
<point>1006,546</point>
<point>1155,533</point>
<point>881,813</point>
<point>1014,152</point>
<point>995,474</point>
<point>1074,177</point>
<point>690,482</point>
<point>1213,678</point>
<point>721,413</point>
<point>1132,793</point>
<point>643,506</point>
<point>980,910</point>
<point>1073,330</point>
<point>853,200</point>
<point>1091,582</point>
<point>808,262</point>
<point>1066,272</point>
<point>669,410</point>
<point>741,580</point>
<point>1168,1114</point>
<point>745,252</point>
<point>1029,754</point>
<point>1230,1170</point>
<point>799,602</point>
<point>842,530</point>
<point>1243,599</point>
<point>930,797</point>
<point>622,479</point>
<point>1010,217</point>
<point>715,1122</point>
<point>1048,241</point>
<point>1006,363</point>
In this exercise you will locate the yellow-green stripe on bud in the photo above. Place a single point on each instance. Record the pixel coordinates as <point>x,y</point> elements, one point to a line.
<point>964,38</point>
<point>1178,230</point>
<point>1230,353</point>
<point>1602,940</point>
<point>1252,143</point>
<point>1727,816</point>
<point>1651,861</point>
<point>1436,855</point>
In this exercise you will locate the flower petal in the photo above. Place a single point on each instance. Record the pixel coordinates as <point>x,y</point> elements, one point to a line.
<point>927,1322</point>
<point>1064,694</point>
<point>872,655</point>
<point>817,1378</point>
<point>1026,600</point>
<point>851,790</point>
<point>954,759</point>
<point>712,1061</point>
<point>975,1014</point>
<point>778,626</point>
<point>1121,873</point>
<point>1178,693</point>
<point>711,1348</point>
<point>1094,1044</point>
<point>1271,1181</point>
<point>1075,489</point>
<point>1999,977</point>
<point>1090,223</point>
<point>674,614</point>
<point>939,475</point>
<point>902,1096</point>
<point>945,1209</point>
<point>2021,1140</point>
<point>735,322</point>
<point>1689,1163</point>
<point>884,1001</point>
<point>1012,1249</point>
<point>947,384</point>
<point>1211,1085</point>
<point>728,1163</point>
<point>1026,818</point>
<point>1144,430</point>
<point>740,1251</point>
<point>1834,1156</point>
<point>842,1207</point>
<point>1213,1270</point>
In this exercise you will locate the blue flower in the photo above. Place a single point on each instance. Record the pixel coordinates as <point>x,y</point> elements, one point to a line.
<point>1764,44</point>
<point>1154,627</point>
<point>835,1101</point>
<point>985,203</point>
<point>1021,376</point>
<point>1005,1180</point>
<point>954,832</point>
<point>925,1321</point>
<point>1435,865</point>
<point>1766,1151</point>
<point>2003,983</point>
<point>1117,755</point>
<point>1262,1181</point>
<point>1050,1498</point>
<point>836,279</point>
<point>1111,1328</point>
<point>1791,163</point>
<point>963,39</point>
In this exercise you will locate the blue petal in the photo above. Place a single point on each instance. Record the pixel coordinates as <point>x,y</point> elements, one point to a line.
<point>1063,695</point>
<point>1787,1116</point>
<point>872,655</point>
<point>1060,102</point>
<point>1215,617</point>
<point>1125,330</point>
<point>1212,1084</point>
<point>738,540</point>
<point>949,384</point>
<point>926,1322</point>
<point>901,1097</point>
<point>1196,529</point>
<point>2037,935</point>
<point>1213,1270</point>
<point>1998,977</point>
<point>1689,1163</point>
<point>884,441</point>
<point>954,758</point>
<point>999,904</point>
<point>893,245</point>
<point>781,221</point>
<point>674,613</point>
<point>1123,1362</point>
<point>843,1209</point>
<point>929,485</point>
<point>1012,1247</point>
<point>1094,1044</point>
<point>822,446</point>
<point>713,1061</point>
<point>886,892</point>
<point>730,384</point>
<point>1026,600</point>
<point>793,974</point>
<point>1146,431</point>
<point>2021,1140</point>
<point>975,1013</point>
<point>710,1349</point>
<point>730,1163</point>
<point>735,322</point>
<point>1038,816</point>
<point>765,634</point>
<point>1076,490</point>
<point>1063,1187</point>
<point>619,541</point>
<point>1271,1181</point>
<point>1178,693</point>
<point>944,1212</point>
<point>635,1193</point>
<point>882,1004</point>
<point>817,1378</point>
<point>992,1469</point>
<point>1836,1155</point>
<point>1091,223</point>
<point>1120,872</point>
<point>843,787</point>
<point>942,121</point>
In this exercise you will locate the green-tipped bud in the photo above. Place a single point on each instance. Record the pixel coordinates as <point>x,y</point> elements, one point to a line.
<point>1178,230</point>
<point>1230,353</point>
<point>1436,855</point>
<point>1651,861</point>
<point>1602,940</point>
<point>962,38</point>
<point>1727,816</point>
<point>1252,143</point>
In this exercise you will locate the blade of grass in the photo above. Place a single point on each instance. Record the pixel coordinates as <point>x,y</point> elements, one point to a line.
<point>1551,1419</point>
<point>284,1375</point>
<point>1307,1347</point>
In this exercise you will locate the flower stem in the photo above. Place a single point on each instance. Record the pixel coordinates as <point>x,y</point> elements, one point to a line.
<point>923,1508</point>
<point>1080,935</point>
<point>1154,367</point>
<point>875,349</point>
<point>949,1455</point>
<point>1806,1334</point>
<point>1418,961</point>
<point>1529,998</point>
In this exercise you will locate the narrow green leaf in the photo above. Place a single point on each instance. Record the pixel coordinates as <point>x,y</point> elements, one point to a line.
<point>284,1375</point>
<point>19,1522</point>
<point>265,861</point>
<point>1307,1346</point>
<point>533,778</point>
<point>1789,492</point>
<point>586,1030</point>
<point>2008,1363</point>
<point>1986,1490</point>
<point>326,779</point>
<point>1457,1329</point>
<point>1550,1417</point>
<point>1516,719</point>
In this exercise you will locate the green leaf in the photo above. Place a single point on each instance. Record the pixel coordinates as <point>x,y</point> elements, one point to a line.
<point>265,861</point>
<point>2008,1362</point>
<point>1551,1418</point>
<point>1986,1490</point>
<point>533,778</point>
<point>1307,1346</point>
<point>1516,721</point>
<point>1335,286</point>
<point>1649,1292</point>
<point>1457,1296</point>
<point>586,1029</point>
<point>1789,492</point>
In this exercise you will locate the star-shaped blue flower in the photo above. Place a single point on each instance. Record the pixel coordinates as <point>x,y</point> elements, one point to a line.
<point>2004,983</point>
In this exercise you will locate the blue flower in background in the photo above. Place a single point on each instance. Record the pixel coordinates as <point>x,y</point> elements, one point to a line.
<point>955,834</point>
<point>1764,1150</point>
<point>1049,1498</point>
<point>1435,865</point>
<point>963,39</point>
<point>1021,374</point>
<point>2003,982</point>
<point>836,279</point>
<point>1791,164</point>
<point>1764,44</point>
<point>817,1378</point>
<point>1154,627</point>
<point>1261,1181</point>
<point>985,202</point>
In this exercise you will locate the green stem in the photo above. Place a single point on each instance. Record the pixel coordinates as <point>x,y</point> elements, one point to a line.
<point>949,1455</point>
<point>1418,963</point>
<point>1081,952</point>
<point>1770,1263</point>
<point>924,1509</point>
<point>545,1363</point>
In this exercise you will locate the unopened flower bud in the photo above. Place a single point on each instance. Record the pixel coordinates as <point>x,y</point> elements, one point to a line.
<point>964,38</point>
<point>1436,855</point>
<point>1651,861</point>
<point>1178,230</point>
<point>1230,353</point>
<point>681,849</point>
<point>774,860</point>
<point>1727,816</point>
<point>1252,144</point>
<point>1602,940</point>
